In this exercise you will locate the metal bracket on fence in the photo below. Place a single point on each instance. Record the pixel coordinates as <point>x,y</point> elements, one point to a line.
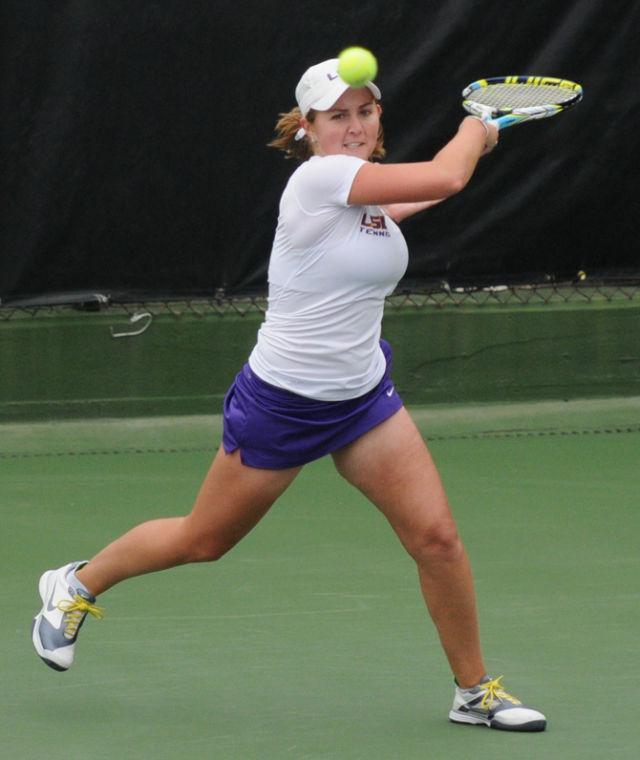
<point>135,318</point>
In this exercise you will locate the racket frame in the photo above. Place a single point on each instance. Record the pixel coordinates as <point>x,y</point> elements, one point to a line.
<point>506,117</point>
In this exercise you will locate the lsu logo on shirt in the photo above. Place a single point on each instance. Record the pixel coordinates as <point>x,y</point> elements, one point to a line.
<point>374,225</point>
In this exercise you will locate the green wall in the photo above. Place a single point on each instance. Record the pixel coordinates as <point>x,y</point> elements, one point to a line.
<point>66,363</point>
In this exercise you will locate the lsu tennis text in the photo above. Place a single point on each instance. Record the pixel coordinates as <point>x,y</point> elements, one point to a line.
<point>374,225</point>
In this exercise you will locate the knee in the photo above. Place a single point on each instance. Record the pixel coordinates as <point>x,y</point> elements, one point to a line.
<point>436,543</point>
<point>203,547</point>
<point>206,550</point>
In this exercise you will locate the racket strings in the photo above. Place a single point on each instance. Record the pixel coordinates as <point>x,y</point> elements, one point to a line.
<point>520,95</point>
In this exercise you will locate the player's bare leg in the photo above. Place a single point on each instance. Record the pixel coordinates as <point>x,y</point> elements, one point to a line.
<point>231,501</point>
<point>392,466</point>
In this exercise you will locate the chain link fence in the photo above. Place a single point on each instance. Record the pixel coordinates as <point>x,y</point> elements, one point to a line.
<point>435,296</point>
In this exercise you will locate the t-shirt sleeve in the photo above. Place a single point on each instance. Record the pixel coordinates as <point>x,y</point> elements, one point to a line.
<point>326,181</point>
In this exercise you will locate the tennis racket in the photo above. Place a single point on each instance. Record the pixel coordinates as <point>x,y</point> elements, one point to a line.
<point>505,101</point>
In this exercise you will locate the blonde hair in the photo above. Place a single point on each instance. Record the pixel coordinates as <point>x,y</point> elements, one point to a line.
<point>287,126</point>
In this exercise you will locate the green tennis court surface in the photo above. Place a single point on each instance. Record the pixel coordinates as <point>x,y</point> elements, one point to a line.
<point>310,640</point>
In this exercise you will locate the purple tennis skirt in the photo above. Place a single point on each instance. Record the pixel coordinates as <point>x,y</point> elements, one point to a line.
<point>276,429</point>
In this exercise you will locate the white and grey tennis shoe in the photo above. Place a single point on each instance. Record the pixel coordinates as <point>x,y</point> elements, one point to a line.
<point>489,704</point>
<point>65,604</point>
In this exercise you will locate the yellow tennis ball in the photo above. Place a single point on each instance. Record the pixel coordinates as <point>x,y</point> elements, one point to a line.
<point>357,66</point>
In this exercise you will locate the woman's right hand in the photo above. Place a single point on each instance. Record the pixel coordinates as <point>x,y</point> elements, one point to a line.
<point>492,137</point>
<point>491,133</point>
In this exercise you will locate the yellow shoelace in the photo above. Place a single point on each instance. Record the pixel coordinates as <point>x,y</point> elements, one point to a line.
<point>495,693</point>
<point>75,612</point>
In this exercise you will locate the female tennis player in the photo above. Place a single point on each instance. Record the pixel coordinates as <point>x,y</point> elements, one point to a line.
<point>318,382</point>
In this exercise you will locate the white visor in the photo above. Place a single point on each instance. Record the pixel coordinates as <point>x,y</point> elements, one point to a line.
<point>320,86</point>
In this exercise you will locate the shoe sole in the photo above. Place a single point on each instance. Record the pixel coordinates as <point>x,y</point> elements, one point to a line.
<point>471,720</point>
<point>43,590</point>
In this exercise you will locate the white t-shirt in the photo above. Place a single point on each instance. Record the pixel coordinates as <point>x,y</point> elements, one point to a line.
<point>331,267</point>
